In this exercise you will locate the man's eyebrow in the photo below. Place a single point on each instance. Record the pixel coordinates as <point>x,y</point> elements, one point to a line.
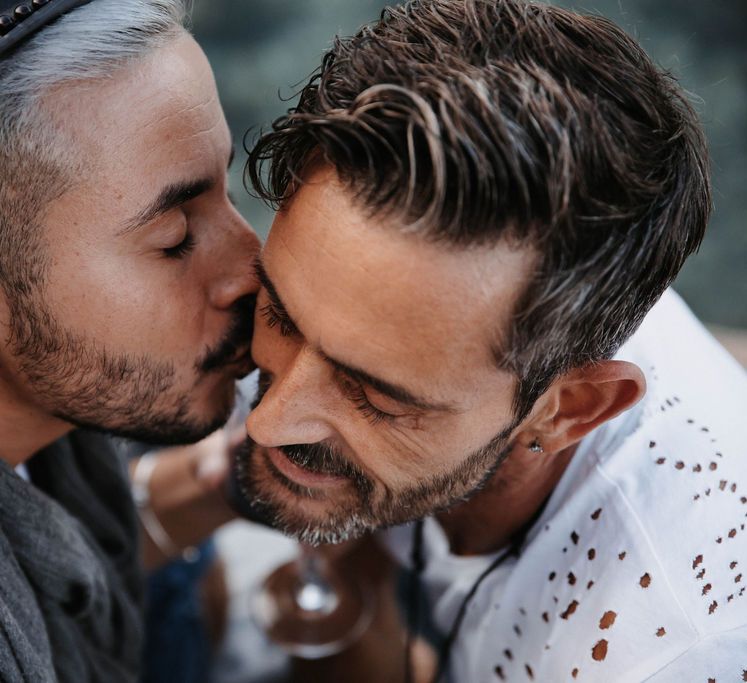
<point>393,391</point>
<point>171,197</point>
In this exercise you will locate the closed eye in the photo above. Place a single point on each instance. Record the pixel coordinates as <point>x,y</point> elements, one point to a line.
<point>182,249</point>
<point>357,395</point>
<point>373,414</point>
<point>277,318</point>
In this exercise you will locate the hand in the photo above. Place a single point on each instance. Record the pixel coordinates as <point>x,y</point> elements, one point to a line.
<point>185,494</point>
<point>211,457</point>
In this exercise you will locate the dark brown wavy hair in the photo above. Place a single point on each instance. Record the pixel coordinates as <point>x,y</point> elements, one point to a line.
<point>474,121</point>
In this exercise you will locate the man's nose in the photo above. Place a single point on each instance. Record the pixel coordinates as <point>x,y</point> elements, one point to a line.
<point>295,409</point>
<point>234,263</point>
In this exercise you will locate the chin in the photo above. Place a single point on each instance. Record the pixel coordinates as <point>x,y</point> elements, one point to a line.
<point>172,421</point>
<point>308,515</point>
<point>166,432</point>
<point>313,521</point>
<point>218,402</point>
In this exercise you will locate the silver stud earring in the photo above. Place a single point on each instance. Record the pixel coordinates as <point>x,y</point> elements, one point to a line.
<point>536,447</point>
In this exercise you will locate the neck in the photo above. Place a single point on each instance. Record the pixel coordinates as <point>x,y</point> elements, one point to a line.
<point>506,505</point>
<point>25,428</point>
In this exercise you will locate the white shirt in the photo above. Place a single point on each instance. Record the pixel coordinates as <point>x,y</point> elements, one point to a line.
<point>22,471</point>
<point>637,568</point>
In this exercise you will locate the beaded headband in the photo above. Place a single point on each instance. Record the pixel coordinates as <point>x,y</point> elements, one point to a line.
<point>19,20</point>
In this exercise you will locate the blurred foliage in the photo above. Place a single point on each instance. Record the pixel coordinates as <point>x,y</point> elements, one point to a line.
<point>264,50</point>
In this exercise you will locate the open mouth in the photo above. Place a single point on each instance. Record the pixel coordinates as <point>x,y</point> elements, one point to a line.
<point>280,462</point>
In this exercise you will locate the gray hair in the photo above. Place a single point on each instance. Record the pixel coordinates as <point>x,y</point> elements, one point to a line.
<point>37,161</point>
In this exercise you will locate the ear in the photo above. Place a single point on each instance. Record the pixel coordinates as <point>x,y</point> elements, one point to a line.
<point>581,400</point>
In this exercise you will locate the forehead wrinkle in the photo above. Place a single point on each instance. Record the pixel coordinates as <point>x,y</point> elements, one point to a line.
<point>200,146</point>
<point>372,341</point>
<point>177,122</point>
<point>405,284</point>
<point>175,119</point>
<point>184,108</point>
<point>159,131</point>
<point>324,181</point>
<point>208,133</point>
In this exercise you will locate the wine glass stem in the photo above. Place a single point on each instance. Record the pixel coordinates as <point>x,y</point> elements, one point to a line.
<point>313,592</point>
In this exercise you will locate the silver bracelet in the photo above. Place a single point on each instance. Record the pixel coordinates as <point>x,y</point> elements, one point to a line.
<point>141,477</point>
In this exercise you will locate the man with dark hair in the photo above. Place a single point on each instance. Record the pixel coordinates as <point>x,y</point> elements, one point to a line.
<point>480,204</point>
<point>126,300</point>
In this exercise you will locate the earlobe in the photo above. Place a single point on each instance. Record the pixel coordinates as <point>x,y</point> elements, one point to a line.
<point>585,398</point>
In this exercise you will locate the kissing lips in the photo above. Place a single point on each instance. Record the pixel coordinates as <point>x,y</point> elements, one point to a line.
<point>243,363</point>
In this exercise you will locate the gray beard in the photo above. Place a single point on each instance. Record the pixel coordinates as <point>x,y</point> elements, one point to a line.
<point>253,499</point>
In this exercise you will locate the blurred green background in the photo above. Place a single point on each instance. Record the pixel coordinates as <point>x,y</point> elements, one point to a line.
<point>263,50</point>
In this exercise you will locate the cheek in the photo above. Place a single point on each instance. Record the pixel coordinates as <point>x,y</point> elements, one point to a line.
<point>399,457</point>
<point>127,305</point>
<point>404,456</point>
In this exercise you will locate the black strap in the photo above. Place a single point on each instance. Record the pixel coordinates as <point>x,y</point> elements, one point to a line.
<point>19,20</point>
<point>414,592</point>
<point>445,653</point>
<point>416,588</point>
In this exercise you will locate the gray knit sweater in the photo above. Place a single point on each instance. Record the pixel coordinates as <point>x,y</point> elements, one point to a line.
<point>70,586</point>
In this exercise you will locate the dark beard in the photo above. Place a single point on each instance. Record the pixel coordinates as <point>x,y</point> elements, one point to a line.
<point>83,383</point>
<point>252,498</point>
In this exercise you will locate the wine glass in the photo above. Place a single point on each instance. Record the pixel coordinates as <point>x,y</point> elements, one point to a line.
<point>309,609</point>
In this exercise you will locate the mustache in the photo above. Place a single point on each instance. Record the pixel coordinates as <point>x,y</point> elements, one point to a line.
<point>321,458</point>
<point>237,337</point>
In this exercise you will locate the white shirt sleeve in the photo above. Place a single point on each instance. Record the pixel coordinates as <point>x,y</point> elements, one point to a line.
<point>22,471</point>
<point>719,658</point>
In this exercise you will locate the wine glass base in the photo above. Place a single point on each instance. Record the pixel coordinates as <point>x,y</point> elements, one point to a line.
<point>311,633</point>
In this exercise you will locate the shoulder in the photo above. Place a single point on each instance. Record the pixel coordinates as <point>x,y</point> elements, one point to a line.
<point>681,474</point>
<point>640,557</point>
<point>720,657</point>
<point>24,647</point>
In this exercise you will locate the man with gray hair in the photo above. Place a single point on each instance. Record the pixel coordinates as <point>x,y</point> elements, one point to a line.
<point>464,332</point>
<point>126,301</point>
